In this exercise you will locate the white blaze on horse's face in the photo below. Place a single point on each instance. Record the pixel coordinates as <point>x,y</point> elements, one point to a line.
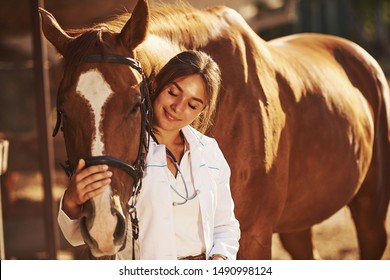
<point>93,87</point>
<point>96,91</point>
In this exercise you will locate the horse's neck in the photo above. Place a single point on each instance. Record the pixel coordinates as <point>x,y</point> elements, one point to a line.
<point>155,52</point>
<point>189,27</point>
<point>199,29</point>
<point>237,49</point>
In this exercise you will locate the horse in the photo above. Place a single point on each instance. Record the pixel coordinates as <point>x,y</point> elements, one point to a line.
<point>303,121</point>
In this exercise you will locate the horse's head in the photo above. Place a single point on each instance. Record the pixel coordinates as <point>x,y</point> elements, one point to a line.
<point>101,104</point>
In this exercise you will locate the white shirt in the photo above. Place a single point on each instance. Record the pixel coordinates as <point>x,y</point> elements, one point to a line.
<point>157,238</point>
<point>186,213</point>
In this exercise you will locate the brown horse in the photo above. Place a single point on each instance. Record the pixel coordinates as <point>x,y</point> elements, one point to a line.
<point>302,120</point>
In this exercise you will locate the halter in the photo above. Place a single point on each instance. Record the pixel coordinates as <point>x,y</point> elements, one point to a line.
<point>137,169</point>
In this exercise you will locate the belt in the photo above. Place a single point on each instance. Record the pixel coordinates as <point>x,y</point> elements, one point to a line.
<point>197,257</point>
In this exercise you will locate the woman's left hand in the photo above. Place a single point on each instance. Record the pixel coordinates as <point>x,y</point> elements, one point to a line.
<point>217,257</point>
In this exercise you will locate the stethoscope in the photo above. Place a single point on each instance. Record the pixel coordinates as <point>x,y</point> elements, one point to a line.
<point>185,197</point>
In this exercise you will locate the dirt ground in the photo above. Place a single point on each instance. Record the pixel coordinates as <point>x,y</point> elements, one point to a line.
<point>24,233</point>
<point>334,239</point>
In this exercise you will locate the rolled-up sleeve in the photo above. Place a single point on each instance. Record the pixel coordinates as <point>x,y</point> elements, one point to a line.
<point>70,228</point>
<point>226,226</point>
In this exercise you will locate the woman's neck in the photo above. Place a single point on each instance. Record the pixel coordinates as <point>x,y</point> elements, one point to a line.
<point>168,138</point>
<point>174,141</point>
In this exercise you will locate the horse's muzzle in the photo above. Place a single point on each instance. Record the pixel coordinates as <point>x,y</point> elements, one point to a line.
<point>101,238</point>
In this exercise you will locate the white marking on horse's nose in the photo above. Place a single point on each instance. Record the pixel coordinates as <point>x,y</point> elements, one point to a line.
<point>105,222</point>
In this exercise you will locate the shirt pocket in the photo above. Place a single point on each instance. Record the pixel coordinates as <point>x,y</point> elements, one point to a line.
<point>214,172</point>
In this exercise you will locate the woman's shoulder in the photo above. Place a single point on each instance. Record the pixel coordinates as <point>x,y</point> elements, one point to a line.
<point>208,147</point>
<point>206,144</point>
<point>196,137</point>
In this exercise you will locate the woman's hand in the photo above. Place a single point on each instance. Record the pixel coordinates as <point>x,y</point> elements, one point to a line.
<point>218,257</point>
<point>84,185</point>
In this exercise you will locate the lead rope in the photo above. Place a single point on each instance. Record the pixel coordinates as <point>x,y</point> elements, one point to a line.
<point>132,209</point>
<point>134,226</point>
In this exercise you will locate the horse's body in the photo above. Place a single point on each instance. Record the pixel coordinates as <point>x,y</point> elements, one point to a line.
<point>302,120</point>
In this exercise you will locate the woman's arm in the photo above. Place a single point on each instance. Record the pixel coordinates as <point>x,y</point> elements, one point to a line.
<point>226,226</point>
<point>85,184</point>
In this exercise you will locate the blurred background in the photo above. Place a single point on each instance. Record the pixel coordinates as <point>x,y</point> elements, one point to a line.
<point>29,230</point>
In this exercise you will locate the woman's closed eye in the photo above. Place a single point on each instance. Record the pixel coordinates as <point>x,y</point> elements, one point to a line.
<point>172,93</point>
<point>193,107</point>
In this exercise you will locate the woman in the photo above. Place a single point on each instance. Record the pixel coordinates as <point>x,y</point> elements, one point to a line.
<point>186,199</point>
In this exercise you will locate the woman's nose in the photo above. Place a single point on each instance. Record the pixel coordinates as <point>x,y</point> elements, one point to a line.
<point>177,106</point>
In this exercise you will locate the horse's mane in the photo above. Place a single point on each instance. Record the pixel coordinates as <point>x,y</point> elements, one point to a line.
<point>181,24</point>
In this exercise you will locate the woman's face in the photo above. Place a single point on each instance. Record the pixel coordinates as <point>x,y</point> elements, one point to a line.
<point>179,103</point>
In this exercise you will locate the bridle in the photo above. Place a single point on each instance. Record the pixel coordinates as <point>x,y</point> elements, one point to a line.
<point>136,170</point>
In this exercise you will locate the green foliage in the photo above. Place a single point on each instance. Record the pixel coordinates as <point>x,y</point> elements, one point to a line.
<point>370,11</point>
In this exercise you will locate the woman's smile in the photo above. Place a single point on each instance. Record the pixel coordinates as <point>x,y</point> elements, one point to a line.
<point>170,116</point>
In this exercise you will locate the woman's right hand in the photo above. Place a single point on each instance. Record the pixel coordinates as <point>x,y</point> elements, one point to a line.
<point>84,185</point>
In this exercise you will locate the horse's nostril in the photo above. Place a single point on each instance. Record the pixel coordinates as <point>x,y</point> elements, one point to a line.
<point>84,230</point>
<point>120,229</point>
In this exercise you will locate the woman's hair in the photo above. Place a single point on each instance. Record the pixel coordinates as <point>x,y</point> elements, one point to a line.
<point>189,63</point>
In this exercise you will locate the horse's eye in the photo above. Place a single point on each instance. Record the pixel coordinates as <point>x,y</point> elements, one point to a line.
<point>135,108</point>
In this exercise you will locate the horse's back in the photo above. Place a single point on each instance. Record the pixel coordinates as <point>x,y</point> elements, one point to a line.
<point>349,59</point>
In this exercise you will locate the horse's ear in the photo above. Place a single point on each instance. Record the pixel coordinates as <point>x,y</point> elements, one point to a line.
<point>53,31</point>
<point>135,29</point>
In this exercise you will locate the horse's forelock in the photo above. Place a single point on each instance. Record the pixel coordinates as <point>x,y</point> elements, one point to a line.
<point>85,41</point>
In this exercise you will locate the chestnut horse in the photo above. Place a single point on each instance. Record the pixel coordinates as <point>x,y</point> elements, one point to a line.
<point>303,121</point>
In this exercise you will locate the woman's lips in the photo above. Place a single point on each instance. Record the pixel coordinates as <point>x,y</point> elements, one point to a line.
<point>170,117</point>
